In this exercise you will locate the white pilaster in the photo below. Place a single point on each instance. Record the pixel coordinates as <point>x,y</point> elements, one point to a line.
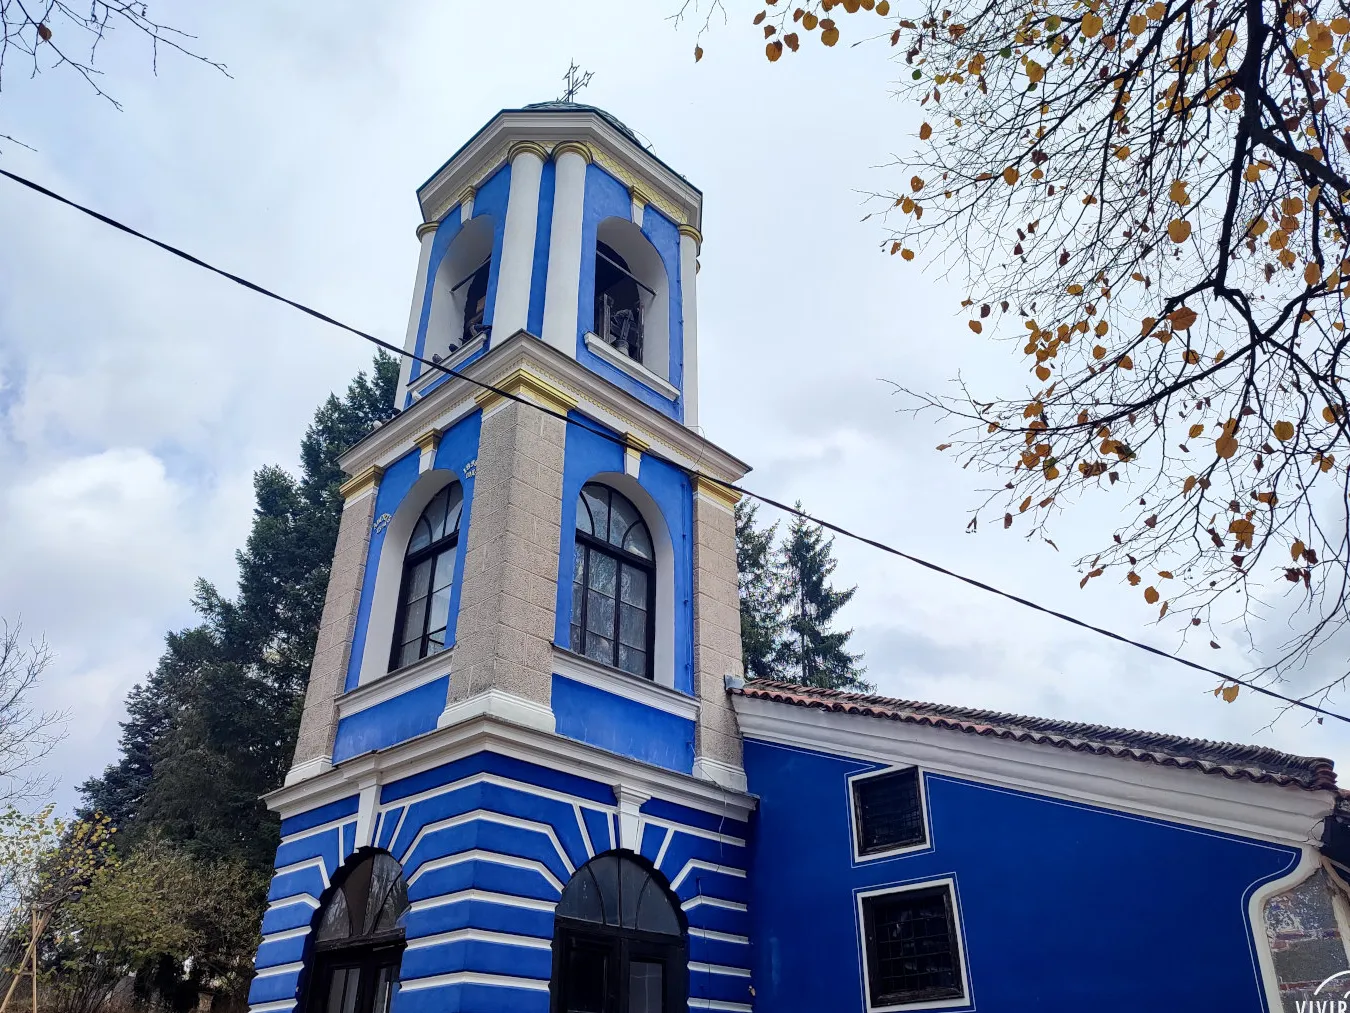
<point>690,239</point>
<point>512,308</point>
<point>630,816</point>
<point>426,232</point>
<point>365,813</point>
<point>561,297</point>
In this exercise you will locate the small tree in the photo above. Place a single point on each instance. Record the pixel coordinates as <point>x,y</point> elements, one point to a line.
<point>811,652</point>
<point>762,594</point>
<point>26,734</point>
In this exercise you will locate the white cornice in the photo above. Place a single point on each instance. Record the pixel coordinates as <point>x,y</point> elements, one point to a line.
<point>386,687</point>
<point>488,149</point>
<point>1269,812</point>
<point>488,733</point>
<point>599,398</point>
<point>643,691</point>
<point>632,367</point>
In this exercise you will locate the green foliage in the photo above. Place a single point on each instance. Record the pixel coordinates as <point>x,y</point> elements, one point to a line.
<point>788,606</point>
<point>762,594</point>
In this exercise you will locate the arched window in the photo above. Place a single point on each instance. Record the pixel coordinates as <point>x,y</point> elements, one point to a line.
<point>428,567</point>
<point>459,290</point>
<point>613,582</point>
<point>618,942</point>
<point>359,942</point>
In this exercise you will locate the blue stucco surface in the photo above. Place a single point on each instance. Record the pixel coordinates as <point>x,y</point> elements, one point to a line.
<point>457,455</point>
<point>588,455</point>
<point>622,726</point>
<point>1063,906</point>
<point>404,717</point>
<point>606,197</point>
<point>543,232</point>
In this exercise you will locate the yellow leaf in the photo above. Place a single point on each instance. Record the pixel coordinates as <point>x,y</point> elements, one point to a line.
<point>925,132</point>
<point>1230,693</point>
<point>1329,413</point>
<point>1340,26</point>
<point>1226,446</point>
<point>975,326</point>
<point>1232,101</point>
<point>698,53</point>
<point>1010,175</point>
<point>1244,530</point>
<point>1151,595</point>
<point>883,7</point>
<point>1179,230</point>
<point>1125,362</point>
<point>1283,431</point>
<point>1051,473</point>
<point>1101,328</point>
<point>809,21</point>
<point>915,184</point>
<point>1138,24</point>
<point>1196,430</point>
<point>1188,485</point>
<point>1123,152</point>
<point>1165,574</point>
<point>773,50</point>
<point>1325,461</point>
<point>1098,352</point>
<point>1296,550</point>
<point>1177,193</point>
<point>1335,80</point>
<point>1133,578</point>
<point>1035,72</point>
<point>1091,25</point>
<point>1312,274</point>
<point>1075,289</point>
<point>906,254</point>
<point>829,36</point>
<point>1042,373</point>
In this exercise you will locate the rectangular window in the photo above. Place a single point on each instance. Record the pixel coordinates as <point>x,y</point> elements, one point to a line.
<point>912,950</point>
<point>888,811</point>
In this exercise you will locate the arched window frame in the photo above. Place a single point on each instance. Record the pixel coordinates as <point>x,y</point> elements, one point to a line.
<point>621,245</point>
<point>365,958</point>
<point>588,546</point>
<point>463,276</point>
<point>585,946</point>
<point>440,549</point>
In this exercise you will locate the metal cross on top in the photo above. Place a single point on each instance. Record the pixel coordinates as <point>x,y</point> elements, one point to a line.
<point>575,79</point>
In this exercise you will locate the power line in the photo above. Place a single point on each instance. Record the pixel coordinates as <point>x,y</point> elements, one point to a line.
<point>691,472</point>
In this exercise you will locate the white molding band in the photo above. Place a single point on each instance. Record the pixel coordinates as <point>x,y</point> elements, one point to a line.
<point>429,374</point>
<point>304,771</point>
<point>643,691</point>
<point>499,704</point>
<point>720,772</point>
<point>632,367</point>
<point>394,684</point>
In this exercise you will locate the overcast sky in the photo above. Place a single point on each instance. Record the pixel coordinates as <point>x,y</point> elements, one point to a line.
<point>138,394</point>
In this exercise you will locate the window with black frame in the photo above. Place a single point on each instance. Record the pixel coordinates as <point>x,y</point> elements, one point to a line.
<point>912,949</point>
<point>428,569</point>
<point>888,811</point>
<point>358,945</point>
<point>613,582</point>
<point>618,303</point>
<point>618,942</point>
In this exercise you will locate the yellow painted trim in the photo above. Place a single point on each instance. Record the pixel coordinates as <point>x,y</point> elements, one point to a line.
<point>429,441</point>
<point>468,193</point>
<point>639,196</point>
<point>581,148</point>
<point>531,146</point>
<point>692,233</point>
<point>357,484</point>
<point>715,493</point>
<point>635,442</point>
<point>532,387</point>
<point>427,227</point>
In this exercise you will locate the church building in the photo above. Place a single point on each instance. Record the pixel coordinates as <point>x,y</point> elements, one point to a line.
<point>530,775</point>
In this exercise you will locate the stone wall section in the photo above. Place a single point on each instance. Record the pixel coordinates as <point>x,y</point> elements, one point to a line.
<point>332,651</point>
<point>1306,939</point>
<point>504,635</point>
<point>717,629</point>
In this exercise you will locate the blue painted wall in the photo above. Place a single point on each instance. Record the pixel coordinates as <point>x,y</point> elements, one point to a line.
<point>1063,907</point>
<point>605,198</point>
<point>543,232</point>
<point>622,726</point>
<point>457,453</point>
<point>586,455</point>
<point>487,842</point>
<point>404,717</point>
<point>491,200</point>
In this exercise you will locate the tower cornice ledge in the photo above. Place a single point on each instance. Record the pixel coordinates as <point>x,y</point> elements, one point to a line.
<point>524,365</point>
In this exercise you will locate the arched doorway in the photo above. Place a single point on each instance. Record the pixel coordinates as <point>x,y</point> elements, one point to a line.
<point>619,941</point>
<point>358,944</point>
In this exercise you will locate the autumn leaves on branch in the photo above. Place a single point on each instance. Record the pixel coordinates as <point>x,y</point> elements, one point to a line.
<point>1152,197</point>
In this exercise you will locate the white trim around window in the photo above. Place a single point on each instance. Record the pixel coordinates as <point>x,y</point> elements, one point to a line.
<point>965,1000</point>
<point>907,849</point>
<point>634,687</point>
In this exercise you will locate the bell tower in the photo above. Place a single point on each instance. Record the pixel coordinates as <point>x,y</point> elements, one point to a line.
<point>532,614</point>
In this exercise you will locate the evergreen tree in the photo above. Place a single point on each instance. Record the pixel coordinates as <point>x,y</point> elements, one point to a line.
<point>213,727</point>
<point>812,653</point>
<point>762,594</point>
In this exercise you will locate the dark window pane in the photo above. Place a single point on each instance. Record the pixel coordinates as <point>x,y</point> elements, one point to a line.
<point>578,562</point>
<point>599,649</point>
<point>587,980</point>
<point>445,570</point>
<point>435,515</point>
<point>414,616</point>
<point>336,922</point>
<point>597,498</point>
<point>622,516</point>
<point>633,586</point>
<point>632,661</point>
<point>639,542</point>
<point>419,581</point>
<point>911,942</point>
<point>584,522</point>
<point>574,642</point>
<point>421,536</point>
<point>454,509</point>
<point>645,988</point>
<point>889,811</point>
<point>343,991</point>
<point>581,899</point>
<point>633,627</point>
<point>384,990</point>
<point>604,573</point>
<point>600,614</point>
<point>439,613</point>
<point>409,652</point>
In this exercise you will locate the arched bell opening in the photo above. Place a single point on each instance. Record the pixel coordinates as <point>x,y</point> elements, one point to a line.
<point>620,941</point>
<point>359,938</point>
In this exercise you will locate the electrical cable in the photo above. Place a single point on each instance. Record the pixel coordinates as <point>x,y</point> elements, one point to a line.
<point>690,472</point>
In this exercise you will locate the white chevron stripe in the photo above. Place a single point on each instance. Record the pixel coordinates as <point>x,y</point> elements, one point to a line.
<point>472,978</point>
<point>295,898</point>
<point>736,972</point>
<point>707,835</point>
<point>478,854</point>
<point>272,972</point>
<point>272,1007</point>
<point>487,896</point>
<point>661,853</point>
<point>491,817</point>
<point>308,863</point>
<point>721,937</point>
<point>276,937</point>
<point>698,863</point>
<point>729,905</point>
<point>585,834</point>
<point>728,1007</point>
<point>322,828</point>
<point>479,936</point>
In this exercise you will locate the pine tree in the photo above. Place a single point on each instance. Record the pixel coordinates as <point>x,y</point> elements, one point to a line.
<point>812,653</point>
<point>213,727</point>
<point>762,594</point>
